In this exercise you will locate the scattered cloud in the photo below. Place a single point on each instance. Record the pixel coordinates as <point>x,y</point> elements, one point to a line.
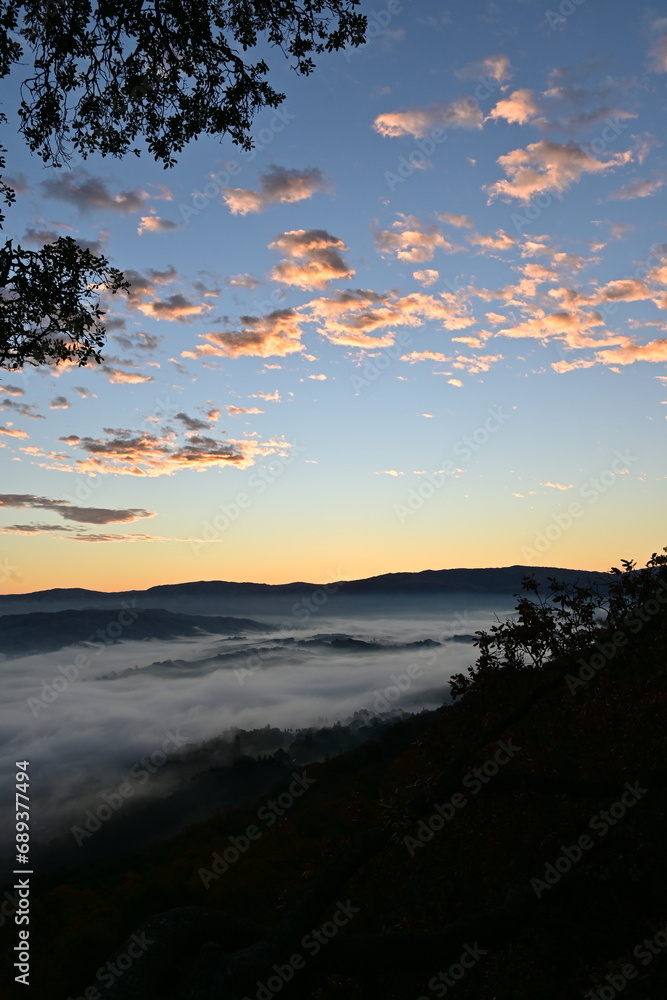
<point>412,240</point>
<point>155,224</point>
<point>497,68</point>
<point>119,376</point>
<point>10,431</point>
<point>427,277</point>
<point>452,219</point>
<point>277,185</point>
<point>174,307</point>
<point>501,241</point>
<point>639,189</point>
<point>22,409</point>
<point>547,166</point>
<point>353,318</point>
<point>193,423</point>
<point>420,122</point>
<point>517,109</point>
<point>423,356</point>
<point>70,512</point>
<point>278,333</point>
<point>140,453</point>
<point>243,281</point>
<point>312,258</point>
<point>658,47</point>
<point>60,403</point>
<point>80,189</point>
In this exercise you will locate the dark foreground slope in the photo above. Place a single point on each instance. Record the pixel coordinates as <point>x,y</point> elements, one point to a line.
<point>514,849</point>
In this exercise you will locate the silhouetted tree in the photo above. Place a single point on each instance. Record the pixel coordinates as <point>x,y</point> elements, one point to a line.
<point>102,76</point>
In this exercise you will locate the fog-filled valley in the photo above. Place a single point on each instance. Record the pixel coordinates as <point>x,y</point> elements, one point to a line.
<point>126,696</point>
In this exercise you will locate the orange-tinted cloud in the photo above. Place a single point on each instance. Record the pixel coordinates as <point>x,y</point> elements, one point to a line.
<point>353,318</point>
<point>118,376</point>
<point>279,333</point>
<point>9,431</point>
<point>548,166</point>
<point>459,221</point>
<point>313,258</point>
<point>277,185</point>
<point>423,356</point>
<point>419,122</point>
<point>426,277</point>
<point>140,453</point>
<point>518,108</point>
<point>501,241</point>
<point>412,240</point>
<point>174,307</point>
<point>496,68</point>
<point>155,224</point>
<point>573,327</point>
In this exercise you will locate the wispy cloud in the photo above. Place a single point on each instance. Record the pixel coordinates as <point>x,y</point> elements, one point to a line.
<point>85,192</point>
<point>639,188</point>
<point>419,122</point>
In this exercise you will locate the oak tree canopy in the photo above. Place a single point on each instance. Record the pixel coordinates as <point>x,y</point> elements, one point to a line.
<point>106,77</point>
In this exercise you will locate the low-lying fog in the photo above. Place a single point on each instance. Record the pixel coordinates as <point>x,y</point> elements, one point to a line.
<point>86,716</point>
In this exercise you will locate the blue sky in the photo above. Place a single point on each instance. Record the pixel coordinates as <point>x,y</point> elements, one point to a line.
<point>421,325</point>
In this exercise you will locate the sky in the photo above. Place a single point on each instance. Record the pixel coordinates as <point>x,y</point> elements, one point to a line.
<point>420,325</point>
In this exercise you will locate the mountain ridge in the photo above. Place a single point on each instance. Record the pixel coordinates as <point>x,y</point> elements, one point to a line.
<point>500,579</point>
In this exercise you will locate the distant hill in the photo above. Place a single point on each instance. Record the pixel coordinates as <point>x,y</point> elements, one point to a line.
<point>502,580</point>
<point>47,631</point>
